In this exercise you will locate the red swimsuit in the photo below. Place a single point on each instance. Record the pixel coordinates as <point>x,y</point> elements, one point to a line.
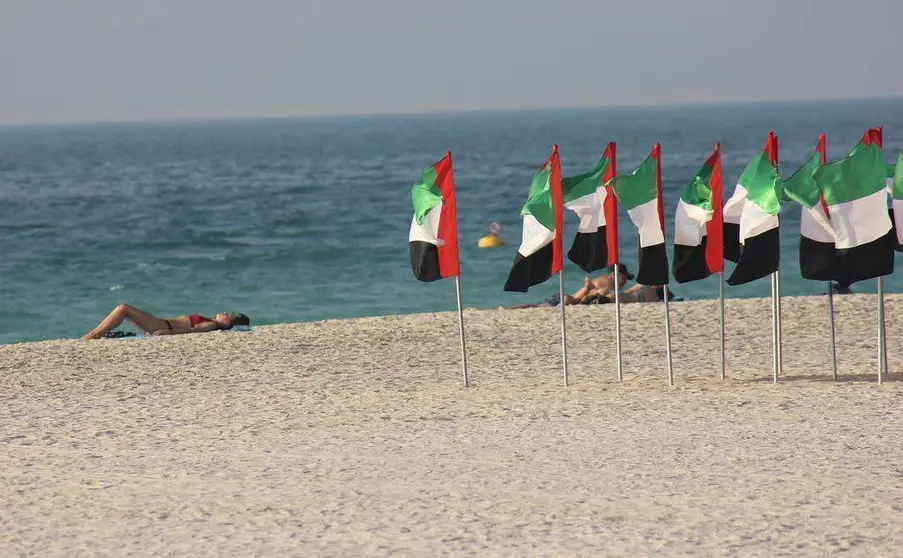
<point>195,319</point>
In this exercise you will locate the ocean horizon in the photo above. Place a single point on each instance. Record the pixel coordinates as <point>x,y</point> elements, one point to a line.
<point>306,218</point>
<point>213,119</point>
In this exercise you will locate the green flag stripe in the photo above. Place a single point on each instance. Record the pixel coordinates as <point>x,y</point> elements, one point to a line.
<point>539,203</point>
<point>638,187</point>
<point>858,148</point>
<point>801,187</point>
<point>573,187</point>
<point>898,178</point>
<point>425,194</point>
<point>854,177</point>
<point>762,184</point>
<point>698,192</point>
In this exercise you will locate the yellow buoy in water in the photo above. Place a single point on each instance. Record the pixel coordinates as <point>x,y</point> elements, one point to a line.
<point>490,241</point>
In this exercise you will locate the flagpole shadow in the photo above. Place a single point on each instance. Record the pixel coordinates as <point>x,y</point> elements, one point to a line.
<point>845,378</point>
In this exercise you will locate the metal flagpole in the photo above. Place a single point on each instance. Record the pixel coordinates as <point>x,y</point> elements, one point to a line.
<point>774,332</point>
<point>775,335</point>
<point>777,290</point>
<point>564,335</point>
<point>833,344</point>
<point>618,318</point>
<point>668,338</point>
<point>882,350</point>
<point>776,279</point>
<point>461,330</point>
<point>721,299</point>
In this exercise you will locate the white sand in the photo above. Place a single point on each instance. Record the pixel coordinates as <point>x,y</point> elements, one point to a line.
<point>356,438</point>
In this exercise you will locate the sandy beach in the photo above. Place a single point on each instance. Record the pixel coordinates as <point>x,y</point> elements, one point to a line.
<point>355,437</point>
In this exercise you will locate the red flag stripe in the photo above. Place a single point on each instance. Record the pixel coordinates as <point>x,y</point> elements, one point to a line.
<point>714,251</point>
<point>558,208</point>
<point>873,135</point>
<point>611,204</point>
<point>657,157</point>
<point>822,149</point>
<point>449,263</point>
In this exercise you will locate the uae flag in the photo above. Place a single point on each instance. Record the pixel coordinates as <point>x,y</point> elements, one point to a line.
<point>818,257</point>
<point>733,209</point>
<point>895,185</point>
<point>760,241</point>
<point>698,224</point>
<point>855,192</point>
<point>588,197</point>
<point>540,253</point>
<point>640,192</point>
<point>434,230</point>
<point>584,194</point>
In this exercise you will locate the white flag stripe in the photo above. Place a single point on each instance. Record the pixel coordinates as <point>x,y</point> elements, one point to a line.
<point>535,236</point>
<point>898,219</point>
<point>860,221</point>
<point>429,230</point>
<point>645,217</point>
<point>733,209</point>
<point>589,210</point>
<point>689,224</point>
<point>814,224</point>
<point>754,222</point>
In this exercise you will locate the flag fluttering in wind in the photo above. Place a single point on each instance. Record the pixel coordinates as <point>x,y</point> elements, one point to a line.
<point>733,208</point>
<point>759,233</point>
<point>698,224</point>
<point>640,192</point>
<point>540,253</point>
<point>855,192</point>
<point>584,194</point>
<point>434,230</point>
<point>433,238</point>
<point>588,197</point>
<point>895,178</point>
<point>818,256</point>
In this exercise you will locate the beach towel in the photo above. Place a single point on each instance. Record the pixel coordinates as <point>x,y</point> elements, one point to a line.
<point>117,334</point>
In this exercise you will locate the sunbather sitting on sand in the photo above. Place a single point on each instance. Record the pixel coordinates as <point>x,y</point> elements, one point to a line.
<point>194,323</point>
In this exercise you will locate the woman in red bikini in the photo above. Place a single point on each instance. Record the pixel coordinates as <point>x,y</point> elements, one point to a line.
<point>195,323</point>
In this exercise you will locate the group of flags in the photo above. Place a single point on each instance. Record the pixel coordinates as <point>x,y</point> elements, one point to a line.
<point>847,229</point>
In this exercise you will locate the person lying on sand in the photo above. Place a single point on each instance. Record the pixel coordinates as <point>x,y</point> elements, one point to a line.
<point>644,293</point>
<point>194,323</point>
<point>636,293</point>
<point>576,298</point>
<point>593,291</point>
<point>604,284</point>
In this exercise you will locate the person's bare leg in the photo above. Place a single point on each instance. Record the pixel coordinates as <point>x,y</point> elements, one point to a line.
<point>581,293</point>
<point>145,321</point>
<point>112,320</point>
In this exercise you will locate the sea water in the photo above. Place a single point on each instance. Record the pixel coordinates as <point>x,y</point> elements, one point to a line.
<point>307,219</point>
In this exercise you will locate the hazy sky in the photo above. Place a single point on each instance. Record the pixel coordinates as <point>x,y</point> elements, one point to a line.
<point>90,60</point>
